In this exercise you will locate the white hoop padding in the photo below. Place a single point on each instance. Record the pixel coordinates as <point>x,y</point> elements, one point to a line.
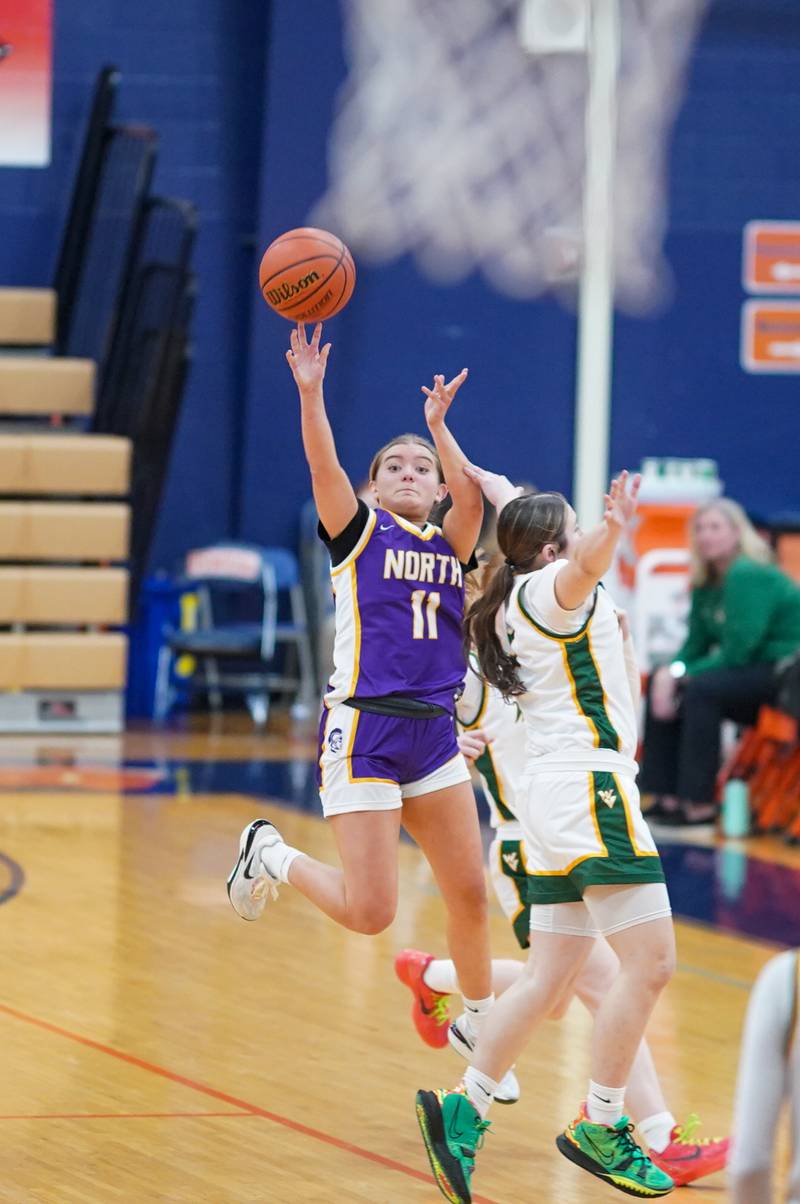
<point>453,143</point>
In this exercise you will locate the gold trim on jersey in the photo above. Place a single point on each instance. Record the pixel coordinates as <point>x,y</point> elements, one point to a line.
<point>426,532</point>
<point>629,821</point>
<point>498,800</point>
<point>352,718</point>
<point>573,687</point>
<point>606,707</point>
<point>322,746</point>
<point>523,903</point>
<point>595,820</point>
<point>350,743</point>
<point>356,630</point>
<point>484,702</point>
<point>364,538</point>
<point>553,635</point>
<point>584,856</point>
<point>583,636</point>
<point>598,716</point>
<point>568,870</point>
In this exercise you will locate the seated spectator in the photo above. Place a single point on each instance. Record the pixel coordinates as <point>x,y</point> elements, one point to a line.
<point>769,1075</point>
<point>745,616</point>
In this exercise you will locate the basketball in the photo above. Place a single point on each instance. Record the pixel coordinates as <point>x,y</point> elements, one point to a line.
<point>307,275</point>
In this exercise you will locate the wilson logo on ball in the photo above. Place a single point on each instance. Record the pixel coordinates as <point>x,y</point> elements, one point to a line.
<point>277,296</point>
<point>306,275</point>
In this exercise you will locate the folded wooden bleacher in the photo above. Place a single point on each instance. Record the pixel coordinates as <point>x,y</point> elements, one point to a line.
<point>64,536</point>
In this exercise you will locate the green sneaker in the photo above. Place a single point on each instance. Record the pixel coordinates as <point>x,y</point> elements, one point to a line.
<point>610,1152</point>
<point>452,1131</point>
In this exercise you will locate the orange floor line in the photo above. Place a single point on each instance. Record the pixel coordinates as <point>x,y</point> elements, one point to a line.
<point>253,1109</point>
<point>117,1115</point>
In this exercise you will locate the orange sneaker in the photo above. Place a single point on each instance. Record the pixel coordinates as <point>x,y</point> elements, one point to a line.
<point>430,1012</point>
<point>685,1159</point>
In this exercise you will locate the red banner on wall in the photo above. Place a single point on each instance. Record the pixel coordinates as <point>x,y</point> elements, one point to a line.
<point>25,82</point>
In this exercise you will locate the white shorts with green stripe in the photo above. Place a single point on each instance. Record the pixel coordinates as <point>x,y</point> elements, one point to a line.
<point>508,870</point>
<point>584,828</point>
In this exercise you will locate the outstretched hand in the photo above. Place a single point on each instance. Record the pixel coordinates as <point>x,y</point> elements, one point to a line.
<point>306,360</point>
<point>496,488</point>
<point>440,397</point>
<point>472,743</point>
<point>621,501</point>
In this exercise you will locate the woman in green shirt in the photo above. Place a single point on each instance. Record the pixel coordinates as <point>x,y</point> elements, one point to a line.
<point>745,616</point>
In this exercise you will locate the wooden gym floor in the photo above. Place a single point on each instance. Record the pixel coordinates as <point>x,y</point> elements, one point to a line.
<point>156,1048</point>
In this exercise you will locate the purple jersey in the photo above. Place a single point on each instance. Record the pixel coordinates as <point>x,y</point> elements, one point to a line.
<point>399,609</point>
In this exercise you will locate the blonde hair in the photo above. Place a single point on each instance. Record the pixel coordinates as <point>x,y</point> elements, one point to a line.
<point>750,542</point>
<point>414,441</point>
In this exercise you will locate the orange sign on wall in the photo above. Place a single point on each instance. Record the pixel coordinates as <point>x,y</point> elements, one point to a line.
<point>25,82</point>
<point>771,261</point>
<point>770,336</point>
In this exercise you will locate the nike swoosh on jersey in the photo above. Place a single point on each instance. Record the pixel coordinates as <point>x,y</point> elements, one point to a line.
<point>388,527</point>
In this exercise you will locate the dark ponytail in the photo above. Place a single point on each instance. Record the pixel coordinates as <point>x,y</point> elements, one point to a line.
<point>497,666</point>
<point>524,527</point>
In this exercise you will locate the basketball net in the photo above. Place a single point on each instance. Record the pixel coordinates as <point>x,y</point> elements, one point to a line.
<point>454,143</point>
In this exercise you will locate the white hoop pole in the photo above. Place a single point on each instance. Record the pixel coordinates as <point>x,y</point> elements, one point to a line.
<point>596,308</point>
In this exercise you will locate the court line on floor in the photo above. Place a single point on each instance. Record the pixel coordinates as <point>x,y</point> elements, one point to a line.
<point>234,1101</point>
<point>118,1115</point>
<point>16,876</point>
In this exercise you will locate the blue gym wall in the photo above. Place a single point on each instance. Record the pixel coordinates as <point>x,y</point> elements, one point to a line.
<point>194,70</point>
<point>247,144</point>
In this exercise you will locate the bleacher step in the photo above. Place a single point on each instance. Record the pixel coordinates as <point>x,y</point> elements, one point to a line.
<point>64,464</point>
<point>63,531</point>
<point>43,596</point>
<point>27,317</point>
<point>30,385</point>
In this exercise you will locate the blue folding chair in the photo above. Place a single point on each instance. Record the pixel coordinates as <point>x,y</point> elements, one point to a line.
<point>315,565</point>
<point>233,640</point>
<point>292,628</point>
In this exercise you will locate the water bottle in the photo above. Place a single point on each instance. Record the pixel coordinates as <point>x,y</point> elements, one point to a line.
<point>735,817</point>
<point>731,866</point>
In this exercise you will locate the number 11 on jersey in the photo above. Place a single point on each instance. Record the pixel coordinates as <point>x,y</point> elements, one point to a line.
<point>423,611</point>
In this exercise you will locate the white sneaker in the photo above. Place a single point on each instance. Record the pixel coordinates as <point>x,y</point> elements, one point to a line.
<point>508,1091</point>
<point>249,883</point>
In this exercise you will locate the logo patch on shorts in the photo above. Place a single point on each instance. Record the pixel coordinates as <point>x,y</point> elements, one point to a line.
<point>335,739</point>
<point>512,861</point>
<point>608,797</point>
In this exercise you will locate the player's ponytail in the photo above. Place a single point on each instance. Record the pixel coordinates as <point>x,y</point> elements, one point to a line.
<point>498,665</point>
<point>524,527</point>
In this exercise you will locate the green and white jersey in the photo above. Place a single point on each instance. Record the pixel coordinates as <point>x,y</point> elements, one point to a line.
<point>502,762</point>
<point>578,709</point>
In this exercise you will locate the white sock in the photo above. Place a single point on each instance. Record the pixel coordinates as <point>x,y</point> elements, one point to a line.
<point>440,975</point>
<point>604,1105</point>
<point>480,1090</point>
<point>277,858</point>
<point>657,1130</point>
<point>475,1012</point>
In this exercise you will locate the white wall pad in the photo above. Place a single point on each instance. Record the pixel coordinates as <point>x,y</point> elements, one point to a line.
<point>90,711</point>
